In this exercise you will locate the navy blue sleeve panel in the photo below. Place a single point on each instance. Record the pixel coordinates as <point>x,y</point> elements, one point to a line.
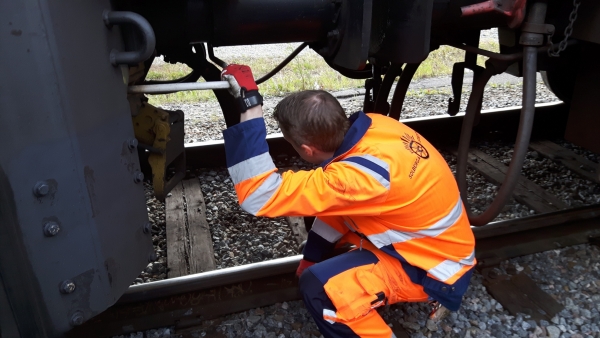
<point>245,140</point>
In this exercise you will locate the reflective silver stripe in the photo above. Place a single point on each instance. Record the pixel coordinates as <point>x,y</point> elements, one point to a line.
<point>326,231</point>
<point>329,313</point>
<point>446,269</point>
<point>251,167</point>
<point>260,196</point>
<point>393,236</point>
<point>382,180</point>
<point>444,223</point>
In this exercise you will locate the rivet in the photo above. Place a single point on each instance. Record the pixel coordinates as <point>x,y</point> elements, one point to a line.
<point>51,229</point>
<point>152,257</point>
<point>67,286</point>
<point>77,318</point>
<point>132,144</point>
<point>41,188</point>
<point>147,227</point>
<point>444,289</point>
<point>138,177</point>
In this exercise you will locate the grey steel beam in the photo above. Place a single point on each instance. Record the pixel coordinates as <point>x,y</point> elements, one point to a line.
<point>71,213</point>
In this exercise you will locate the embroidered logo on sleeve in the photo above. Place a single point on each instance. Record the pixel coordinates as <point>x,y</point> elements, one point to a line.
<point>414,146</point>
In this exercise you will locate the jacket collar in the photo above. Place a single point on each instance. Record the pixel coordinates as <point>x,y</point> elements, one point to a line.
<point>360,124</point>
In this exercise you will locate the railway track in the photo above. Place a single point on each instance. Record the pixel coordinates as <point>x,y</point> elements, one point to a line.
<point>195,291</point>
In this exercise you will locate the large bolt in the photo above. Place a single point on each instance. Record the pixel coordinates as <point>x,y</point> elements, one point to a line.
<point>51,229</point>
<point>132,144</point>
<point>138,177</point>
<point>41,189</point>
<point>67,286</point>
<point>77,318</point>
<point>147,227</point>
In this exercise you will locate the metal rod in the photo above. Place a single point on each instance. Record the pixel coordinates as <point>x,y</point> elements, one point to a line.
<point>206,280</point>
<point>282,64</point>
<point>177,87</point>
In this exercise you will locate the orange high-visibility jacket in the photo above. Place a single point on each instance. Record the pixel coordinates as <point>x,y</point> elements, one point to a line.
<point>385,184</point>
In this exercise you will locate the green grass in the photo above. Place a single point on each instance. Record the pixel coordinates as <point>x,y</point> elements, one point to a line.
<point>307,71</point>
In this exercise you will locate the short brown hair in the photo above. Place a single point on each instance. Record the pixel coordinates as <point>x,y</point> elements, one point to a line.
<point>312,117</point>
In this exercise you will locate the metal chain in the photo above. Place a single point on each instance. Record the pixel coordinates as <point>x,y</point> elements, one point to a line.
<point>568,31</point>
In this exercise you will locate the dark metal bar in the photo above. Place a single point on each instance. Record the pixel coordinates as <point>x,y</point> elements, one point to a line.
<point>401,88</point>
<point>213,58</point>
<point>381,104</point>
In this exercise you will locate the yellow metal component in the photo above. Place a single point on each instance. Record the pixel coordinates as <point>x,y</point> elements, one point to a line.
<point>160,133</point>
<point>151,126</point>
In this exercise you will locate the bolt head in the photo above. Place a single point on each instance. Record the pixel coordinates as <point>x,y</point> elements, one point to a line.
<point>41,189</point>
<point>132,144</point>
<point>51,229</point>
<point>138,177</point>
<point>67,286</point>
<point>77,318</point>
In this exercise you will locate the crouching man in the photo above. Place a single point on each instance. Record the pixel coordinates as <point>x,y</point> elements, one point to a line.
<point>379,186</point>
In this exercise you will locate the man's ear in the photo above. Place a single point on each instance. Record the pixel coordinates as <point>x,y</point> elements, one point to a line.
<point>307,150</point>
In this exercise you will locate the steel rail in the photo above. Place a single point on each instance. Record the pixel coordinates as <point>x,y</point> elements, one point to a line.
<point>550,121</point>
<point>187,301</point>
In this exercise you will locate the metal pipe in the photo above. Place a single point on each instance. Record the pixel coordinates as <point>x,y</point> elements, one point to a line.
<point>129,58</point>
<point>206,280</point>
<point>536,16</point>
<point>282,64</point>
<point>176,87</point>
<point>502,57</point>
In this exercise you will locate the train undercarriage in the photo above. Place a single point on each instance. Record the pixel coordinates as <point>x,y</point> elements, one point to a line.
<point>82,138</point>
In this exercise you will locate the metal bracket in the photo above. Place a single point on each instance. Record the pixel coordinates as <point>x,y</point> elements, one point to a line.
<point>161,132</point>
<point>539,28</point>
<point>458,72</point>
<point>122,18</point>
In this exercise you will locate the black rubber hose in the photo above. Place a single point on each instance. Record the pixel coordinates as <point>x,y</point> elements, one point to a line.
<point>521,145</point>
<point>282,64</point>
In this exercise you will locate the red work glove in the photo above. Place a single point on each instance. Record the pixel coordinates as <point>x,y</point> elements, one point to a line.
<point>242,86</point>
<point>241,79</point>
<point>304,264</point>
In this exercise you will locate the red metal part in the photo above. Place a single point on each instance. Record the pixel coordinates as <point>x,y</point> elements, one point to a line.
<point>514,10</point>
